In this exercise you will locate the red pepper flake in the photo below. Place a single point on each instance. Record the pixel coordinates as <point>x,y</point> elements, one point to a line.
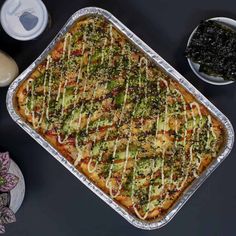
<point>77,52</point>
<point>51,132</point>
<point>104,128</point>
<point>188,107</point>
<point>85,160</point>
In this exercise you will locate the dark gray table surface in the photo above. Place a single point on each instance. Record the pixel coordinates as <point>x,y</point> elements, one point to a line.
<point>56,203</point>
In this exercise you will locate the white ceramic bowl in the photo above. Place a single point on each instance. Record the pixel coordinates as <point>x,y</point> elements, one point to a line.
<point>16,194</point>
<point>195,66</point>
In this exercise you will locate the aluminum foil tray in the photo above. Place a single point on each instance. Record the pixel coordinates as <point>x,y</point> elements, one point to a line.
<point>148,225</point>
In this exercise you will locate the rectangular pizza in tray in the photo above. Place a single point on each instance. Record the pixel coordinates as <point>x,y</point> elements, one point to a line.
<point>122,121</point>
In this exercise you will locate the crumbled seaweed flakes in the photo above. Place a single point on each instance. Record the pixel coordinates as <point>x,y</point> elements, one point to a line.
<point>213,46</point>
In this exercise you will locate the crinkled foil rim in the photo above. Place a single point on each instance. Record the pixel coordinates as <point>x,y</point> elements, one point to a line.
<point>148,225</point>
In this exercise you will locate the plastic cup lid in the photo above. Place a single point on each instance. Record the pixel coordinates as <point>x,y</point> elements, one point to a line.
<point>24,19</point>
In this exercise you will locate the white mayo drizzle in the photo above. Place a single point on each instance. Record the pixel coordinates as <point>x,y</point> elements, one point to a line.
<point>185,120</point>
<point>68,37</point>
<point>79,74</point>
<point>176,142</point>
<point>152,164</point>
<point>108,183</point>
<point>79,157</point>
<point>49,60</point>
<point>191,147</point>
<point>164,129</point>
<point>185,130</point>
<point>90,170</point>
<point>66,47</point>
<point>103,49</point>
<point>198,157</point>
<point>126,92</point>
<point>29,83</point>
<point>49,90</point>
<point>111,45</point>
<point>124,103</point>
<point>144,61</point>
<point>93,97</point>
<point>210,129</point>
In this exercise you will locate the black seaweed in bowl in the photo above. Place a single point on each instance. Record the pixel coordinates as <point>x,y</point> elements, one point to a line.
<point>213,47</point>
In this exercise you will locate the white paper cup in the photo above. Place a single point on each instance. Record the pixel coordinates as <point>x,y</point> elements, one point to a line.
<point>24,19</point>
